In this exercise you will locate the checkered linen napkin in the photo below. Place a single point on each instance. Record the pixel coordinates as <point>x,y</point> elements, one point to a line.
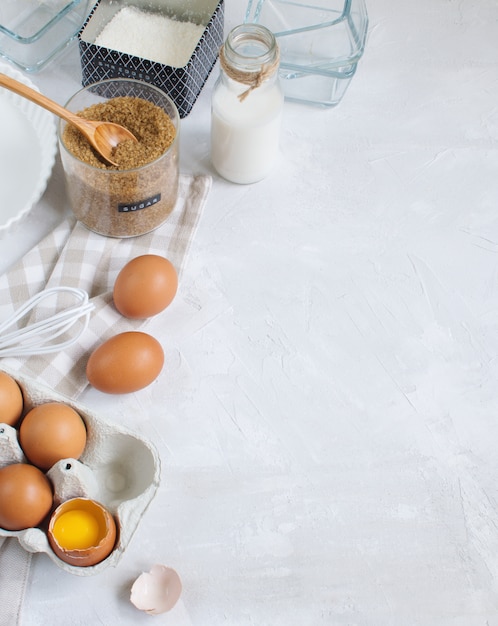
<point>73,256</point>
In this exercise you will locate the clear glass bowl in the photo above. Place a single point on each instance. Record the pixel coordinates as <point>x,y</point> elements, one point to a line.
<point>321,42</point>
<point>33,32</point>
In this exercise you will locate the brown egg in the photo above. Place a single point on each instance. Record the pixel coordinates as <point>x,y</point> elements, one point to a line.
<point>11,400</point>
<point>126,362</point>
<point>51,432</point>
<point>25,496</point>
<point>145,286</point>
<point>82,532</point>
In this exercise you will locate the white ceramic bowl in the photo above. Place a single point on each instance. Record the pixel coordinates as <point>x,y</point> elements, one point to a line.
<point>27,152</point>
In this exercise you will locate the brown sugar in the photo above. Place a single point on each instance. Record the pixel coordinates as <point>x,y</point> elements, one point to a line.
<point>148,122</point>
<point>138,195</point>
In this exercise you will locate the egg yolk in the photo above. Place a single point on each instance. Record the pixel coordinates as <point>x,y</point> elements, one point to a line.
<point>76,530</point>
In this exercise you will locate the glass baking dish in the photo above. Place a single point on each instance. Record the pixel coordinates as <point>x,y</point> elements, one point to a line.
<point>33,32</point>
<point>321,42</point>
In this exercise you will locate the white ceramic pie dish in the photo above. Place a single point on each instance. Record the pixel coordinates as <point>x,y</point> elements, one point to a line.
<point>28,145</point>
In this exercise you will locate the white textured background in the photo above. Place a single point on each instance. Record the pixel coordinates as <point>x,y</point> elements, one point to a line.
<point>328,414</point>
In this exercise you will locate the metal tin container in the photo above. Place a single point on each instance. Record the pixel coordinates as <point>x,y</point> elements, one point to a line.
<point>182,84</point>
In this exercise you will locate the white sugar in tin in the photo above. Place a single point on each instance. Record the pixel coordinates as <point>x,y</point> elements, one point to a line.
<point>151,36</point>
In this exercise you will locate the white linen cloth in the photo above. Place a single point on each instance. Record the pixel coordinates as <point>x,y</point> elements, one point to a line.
<point>71,255</point>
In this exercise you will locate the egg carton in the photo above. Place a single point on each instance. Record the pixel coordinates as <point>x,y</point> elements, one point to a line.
<point>117,468</point>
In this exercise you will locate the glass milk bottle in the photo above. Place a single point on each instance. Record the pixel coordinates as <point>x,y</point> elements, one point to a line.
<point>247,104</point>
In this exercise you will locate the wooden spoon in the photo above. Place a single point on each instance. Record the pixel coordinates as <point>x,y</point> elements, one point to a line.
<point>102,136</point>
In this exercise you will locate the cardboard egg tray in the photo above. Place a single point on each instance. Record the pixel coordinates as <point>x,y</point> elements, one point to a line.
<point>117,468</point>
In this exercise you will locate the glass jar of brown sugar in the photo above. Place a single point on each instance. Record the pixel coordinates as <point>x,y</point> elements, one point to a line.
<point>138,194</point>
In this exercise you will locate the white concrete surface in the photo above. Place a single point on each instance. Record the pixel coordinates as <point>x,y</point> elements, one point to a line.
<point>328,415</point>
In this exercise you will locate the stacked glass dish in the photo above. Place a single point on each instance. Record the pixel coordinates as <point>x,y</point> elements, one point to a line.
<point>33,32</point>
<point>321,42</point>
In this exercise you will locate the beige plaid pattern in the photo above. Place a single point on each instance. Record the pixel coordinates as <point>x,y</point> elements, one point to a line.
<point>73,256</point>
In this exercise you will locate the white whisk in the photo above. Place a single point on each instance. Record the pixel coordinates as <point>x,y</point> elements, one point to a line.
<point>38,337</point>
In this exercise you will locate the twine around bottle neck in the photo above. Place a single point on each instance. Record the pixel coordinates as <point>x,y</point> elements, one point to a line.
<point>252,79</point>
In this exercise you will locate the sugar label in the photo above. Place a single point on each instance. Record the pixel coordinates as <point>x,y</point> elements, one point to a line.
<point>138,206</point>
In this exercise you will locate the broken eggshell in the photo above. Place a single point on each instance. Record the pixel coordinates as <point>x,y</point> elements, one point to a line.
<point>156,591</point>
<point>62,541</point>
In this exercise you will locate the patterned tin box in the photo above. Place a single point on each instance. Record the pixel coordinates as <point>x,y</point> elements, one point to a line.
<point>183,83</point>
